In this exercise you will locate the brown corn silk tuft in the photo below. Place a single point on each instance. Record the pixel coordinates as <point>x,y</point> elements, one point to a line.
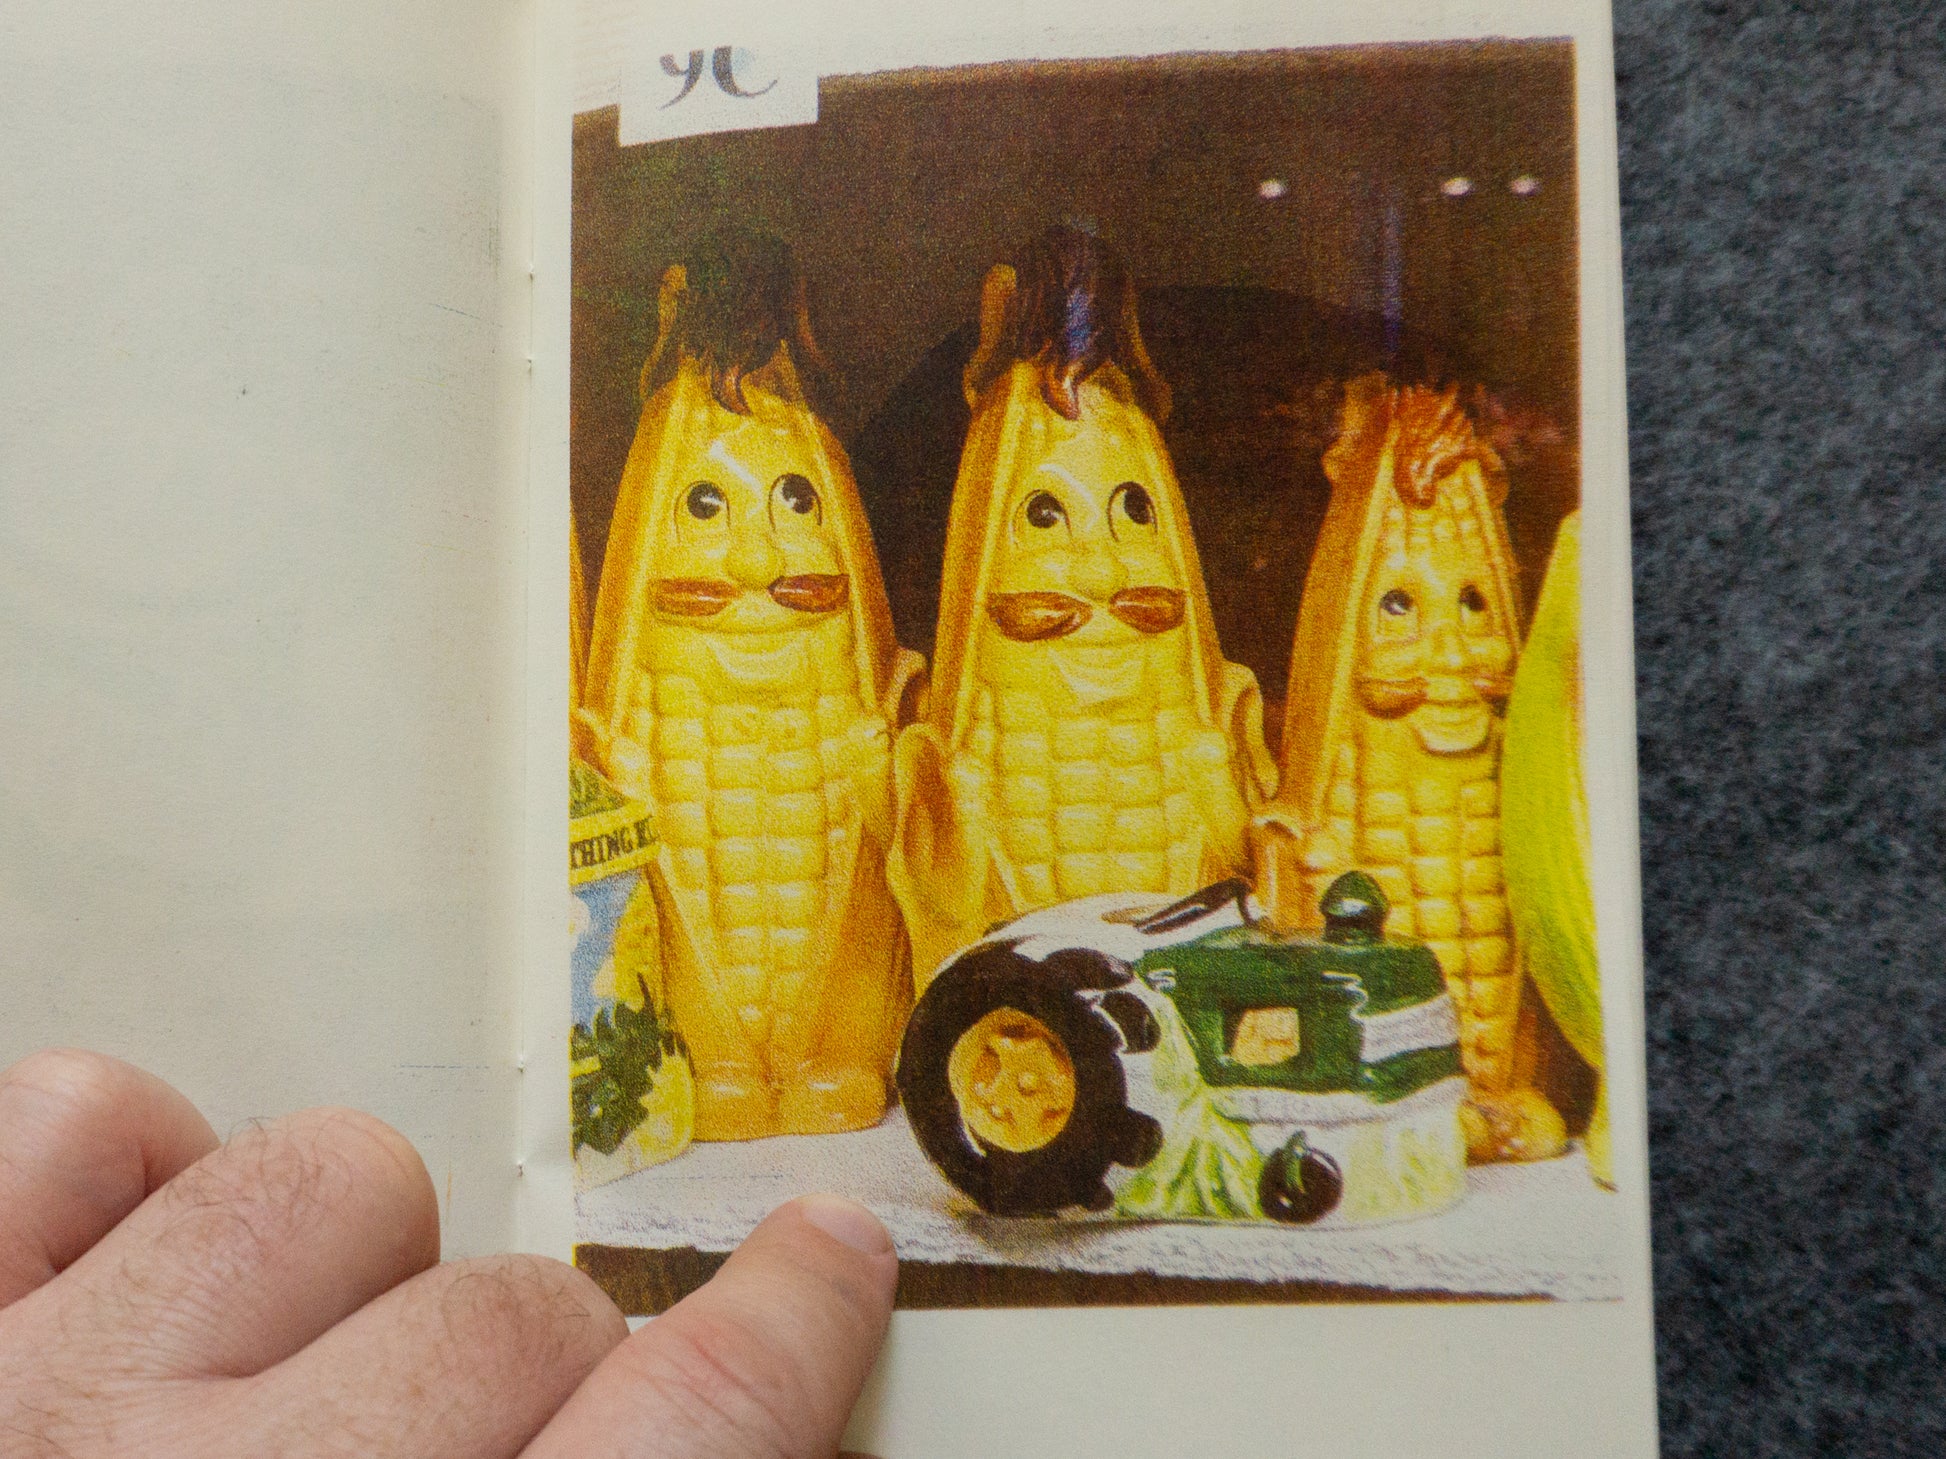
<point>734,299</point>
<point>1073,311</point>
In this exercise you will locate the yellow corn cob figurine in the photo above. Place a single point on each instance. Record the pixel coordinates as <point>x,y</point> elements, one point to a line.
<point>577,617</point>
<point>1391,755</point>
<point>1545,802</point>
<point>1082,732</point>
<point>743,681</point>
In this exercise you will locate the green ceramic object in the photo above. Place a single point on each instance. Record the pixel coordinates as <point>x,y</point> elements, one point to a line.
<point>1339,985</point>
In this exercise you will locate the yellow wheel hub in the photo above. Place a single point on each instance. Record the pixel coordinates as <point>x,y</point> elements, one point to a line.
<point>1013,1081</point>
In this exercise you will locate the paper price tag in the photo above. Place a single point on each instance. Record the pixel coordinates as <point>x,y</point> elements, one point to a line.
<point>685,80</point>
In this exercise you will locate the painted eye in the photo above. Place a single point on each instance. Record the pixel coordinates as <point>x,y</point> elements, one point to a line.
<point>1044,509</point>
<point>1133,502</point>
<point>703,501</point>
<point>1396,604</point>
<point>798,495</point>
<point>1472,599</point>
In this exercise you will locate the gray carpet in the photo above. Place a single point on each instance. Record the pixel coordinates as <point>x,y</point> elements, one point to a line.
<point>1784,213</point>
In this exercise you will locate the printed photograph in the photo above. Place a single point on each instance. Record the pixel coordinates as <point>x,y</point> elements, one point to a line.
<point>1075,683</point>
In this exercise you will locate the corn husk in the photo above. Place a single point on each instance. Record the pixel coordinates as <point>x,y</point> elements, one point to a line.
<point>1544,826</point>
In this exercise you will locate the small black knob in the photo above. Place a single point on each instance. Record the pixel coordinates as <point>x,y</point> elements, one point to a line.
<point>1299,1185</point>
<point>1354,909</point>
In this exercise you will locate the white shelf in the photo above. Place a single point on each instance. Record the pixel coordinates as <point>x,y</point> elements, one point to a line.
<point>1522,1230</point>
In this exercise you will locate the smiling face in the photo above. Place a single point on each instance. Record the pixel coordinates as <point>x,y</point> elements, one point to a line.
<point>1435,648</point>
<point>745,546</point>
<point>752,587</point>
<point>1084,575</point>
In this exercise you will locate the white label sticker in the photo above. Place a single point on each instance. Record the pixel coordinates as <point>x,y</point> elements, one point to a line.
<point>683,79</point>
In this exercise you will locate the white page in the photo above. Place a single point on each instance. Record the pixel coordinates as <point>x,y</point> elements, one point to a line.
<point>1466,1379</point>
<point>260,509</point>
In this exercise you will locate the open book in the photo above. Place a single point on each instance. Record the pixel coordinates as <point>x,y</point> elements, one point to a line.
<point>1023,615</point>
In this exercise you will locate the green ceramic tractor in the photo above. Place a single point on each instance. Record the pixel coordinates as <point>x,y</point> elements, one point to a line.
<point>1188,1062</point>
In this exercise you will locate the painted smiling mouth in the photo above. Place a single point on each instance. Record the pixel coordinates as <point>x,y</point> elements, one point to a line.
<point>805,592</point>
<point>1033,617</point>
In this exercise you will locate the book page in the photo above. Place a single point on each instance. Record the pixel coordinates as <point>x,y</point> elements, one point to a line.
<point>1084,563</point>
<point>260,582</point>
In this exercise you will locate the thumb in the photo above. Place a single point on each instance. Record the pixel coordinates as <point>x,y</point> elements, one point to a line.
<point>765,1362</point>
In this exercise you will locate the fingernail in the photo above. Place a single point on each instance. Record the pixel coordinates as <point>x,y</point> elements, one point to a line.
<point>847,1221</point>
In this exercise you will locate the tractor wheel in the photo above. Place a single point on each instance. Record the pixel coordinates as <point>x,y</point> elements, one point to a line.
<point>1013,1084</point>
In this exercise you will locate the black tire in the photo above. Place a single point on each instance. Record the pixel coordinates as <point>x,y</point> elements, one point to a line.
<point>1140,1032</point>
<point>1301,1190</point>
<point>1101,1131</point>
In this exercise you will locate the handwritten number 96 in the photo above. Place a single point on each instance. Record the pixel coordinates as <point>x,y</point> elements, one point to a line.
<point>722,65</point>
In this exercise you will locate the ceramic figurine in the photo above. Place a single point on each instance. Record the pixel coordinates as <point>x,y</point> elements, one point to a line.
<point>1186,1062</point>
<point>1404,658</point>
<point>743,682</point>
<point>577,619</point>
<point>633,1096</point>
<point>1082,732</point>
<point>578,739</point>
<point>1544,811</point>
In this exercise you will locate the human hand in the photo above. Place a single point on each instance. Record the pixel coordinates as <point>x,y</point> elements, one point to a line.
<point>281,1295</point>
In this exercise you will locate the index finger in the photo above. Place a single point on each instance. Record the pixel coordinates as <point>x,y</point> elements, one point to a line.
<point>764,1362</point>
<point>84,1140</point>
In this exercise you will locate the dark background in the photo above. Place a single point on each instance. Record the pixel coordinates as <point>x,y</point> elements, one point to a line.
<point>1256,309</point>
<point>1783,176</point>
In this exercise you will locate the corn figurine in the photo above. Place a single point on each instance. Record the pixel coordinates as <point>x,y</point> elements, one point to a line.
<point>1404,658</point>
<point>577,618</point>
<point>1082,732</point>
<point>1544,798</point>
<point>743,682</point>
